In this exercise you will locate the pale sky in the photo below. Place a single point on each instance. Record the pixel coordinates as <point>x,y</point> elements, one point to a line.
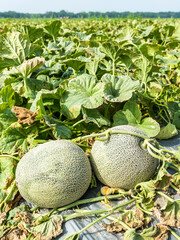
<point>39,6</point>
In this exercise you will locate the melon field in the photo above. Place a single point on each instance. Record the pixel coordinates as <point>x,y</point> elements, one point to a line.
<point>77,80</point>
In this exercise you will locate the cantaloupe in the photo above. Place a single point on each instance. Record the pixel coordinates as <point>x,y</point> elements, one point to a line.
<point>121,161</point>
<point>53,174</point>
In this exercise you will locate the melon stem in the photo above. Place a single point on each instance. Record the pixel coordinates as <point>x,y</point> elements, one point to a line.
<point>106,134</point>
<point>165,196</point>
<point>10,156</point>
<point>174,234</point>
<point>87,213</point>
<point>88,200</point>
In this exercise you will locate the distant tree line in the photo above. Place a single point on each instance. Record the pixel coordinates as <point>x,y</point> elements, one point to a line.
<point>64,14</point>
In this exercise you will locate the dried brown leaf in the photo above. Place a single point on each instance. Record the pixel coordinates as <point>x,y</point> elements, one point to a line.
<point>24,115</point>
<point>24,216</point>
<point>162,232</point>
<point>113,227</point>
<point>2,217</point>
<point>15,234</point>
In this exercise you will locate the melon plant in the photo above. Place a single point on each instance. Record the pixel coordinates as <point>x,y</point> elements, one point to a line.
<point>53,174</point>
<point>120,161</point>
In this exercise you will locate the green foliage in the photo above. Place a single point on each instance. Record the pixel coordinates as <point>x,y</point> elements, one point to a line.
<point>131,115</point>
<point>76,78</point>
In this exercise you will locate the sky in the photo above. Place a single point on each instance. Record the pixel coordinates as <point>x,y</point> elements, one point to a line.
<point>39,6</point>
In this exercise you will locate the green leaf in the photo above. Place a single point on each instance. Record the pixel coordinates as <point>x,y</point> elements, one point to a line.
<point>149,126</point>
<point>48,229</point>
<point>93,115</point>
<point>149,50</point>
<point>7,94</point>
<point>14,49</point>
<point>34,32</point>
<point>167,132</point>
<point>76,63</point>
<point>12,138</point>
<point>143,67</point>
<point>171,213</point>
<point>111,50</point>
<point>7,117</point>
<point>119,88</point>
<point>37,102</point>
<point>53,29</point>
<point>92,67</point>
<point>82,91</point>
<point>59,129</point>
<point>29,66</point>
<point>176,119</point>
<point>147,189</point>
<point>147,234</point>
<point>131,115</point>
<point>176,34</point>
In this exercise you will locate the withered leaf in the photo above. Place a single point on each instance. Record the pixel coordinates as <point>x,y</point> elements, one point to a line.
<point>2,217</point>
<point>48,229</point>
<point>134,219</point>
<point>113,227</point>
<point>24,216</point>
<point>15,234</point>
<point>171,214</point>
<point>162,232</point>
<point>24,115</point>
<point>163,179</point>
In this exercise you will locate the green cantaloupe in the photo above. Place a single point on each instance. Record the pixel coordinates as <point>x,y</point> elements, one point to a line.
<point>120,161</point>
<point>53,174</point>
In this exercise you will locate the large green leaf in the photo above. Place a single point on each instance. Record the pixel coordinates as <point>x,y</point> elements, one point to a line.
<point>82,91</point>
<point>13,138</point>
<point>93,115</point>
<point>34,32</point>
<point>29,66</point>
<point>176,34</point>
<point>131,115</point>
<point>119,88</point>
<point>111,50</point>
<point>150,50</point>
<point>7,95</point>
<point>59,129</point>
<point>143,67</point>
<point>41,96</point>
<point>92,67</point>
<point>167,131</point>
<point>53,29</point>
<point>7,117</point>
<point>14,49</point>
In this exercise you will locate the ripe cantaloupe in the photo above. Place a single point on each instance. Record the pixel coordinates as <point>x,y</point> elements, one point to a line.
<point>53,174</point>
<point>120,161</point>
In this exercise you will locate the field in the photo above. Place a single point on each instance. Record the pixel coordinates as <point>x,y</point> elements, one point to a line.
<point>65,79</point>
